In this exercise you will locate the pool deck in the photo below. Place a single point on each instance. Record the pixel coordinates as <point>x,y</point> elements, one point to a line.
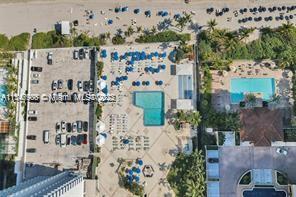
<point>250,69</point>
<point>155,144</point>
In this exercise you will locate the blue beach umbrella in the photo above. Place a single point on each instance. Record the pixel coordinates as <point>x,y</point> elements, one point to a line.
<point>163,55</point>
<point>143,83</point>
<point>140,162</point>
<point>163,66</point>
<point>138,83</point>
<point>159,13</point>
<point>117,9</point>
<point>137,179</point>
<point>148,13</point>
<point>146,69</point>
<point>125,141</point>
<point>130,172</point>
<point>160,82</point>
<point>147,83</point>
<point>138,170</point>
<point>103,53</point>
<point>125,77</point>
<point>156,82</point>
<point>105,90</point>
<point>110,22</point>
<point>104,77</point>
<point>133,83</point>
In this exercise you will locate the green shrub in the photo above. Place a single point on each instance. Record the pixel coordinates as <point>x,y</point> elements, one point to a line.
<point>165,36</point>
<point>19,42</point>
<point>85,40</point>
<point>3,41</point>
<point>118,39</point>
<point>100,66</point>
<point>246,179</point>
<point>51,39</point>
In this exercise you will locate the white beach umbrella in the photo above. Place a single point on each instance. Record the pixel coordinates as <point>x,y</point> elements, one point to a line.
<point>100,126</point>
<point>100,139</point>
<point>101,84</point>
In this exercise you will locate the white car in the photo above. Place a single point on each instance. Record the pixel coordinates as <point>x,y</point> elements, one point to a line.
<point>63,140</point>
<point>63,126</point>
<point>35,75</point>
<point>32,112</point>
<point>282,151</point>
<point>74,127</point>
<point>91,85</point>
<point>86,53</point>
<point>54,85</point>
<point>58,127</point>
<point>79,86</point>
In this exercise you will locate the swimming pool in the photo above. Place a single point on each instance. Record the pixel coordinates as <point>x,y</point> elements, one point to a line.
<point>3,93</point>
<point>153,104</point>
<point>264,192</point>
<point>240,86</point>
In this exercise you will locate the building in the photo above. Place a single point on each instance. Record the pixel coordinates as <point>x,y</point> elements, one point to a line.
<point>64,27</point>
<point>66,184</point>
<point>7,144</point>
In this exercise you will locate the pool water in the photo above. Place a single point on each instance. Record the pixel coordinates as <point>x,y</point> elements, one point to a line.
<point>3,94</point>
<point>241,86</point>
<point>152,103</point>
<point>264,192</point>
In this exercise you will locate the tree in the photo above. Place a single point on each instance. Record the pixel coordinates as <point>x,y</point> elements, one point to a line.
<point>181,23</point>
<point>139,29</point>
<point>212,24</point>
<point>129,31</point>
<point>285,28</point>
<point>245,33</point>
<point>153,30</point>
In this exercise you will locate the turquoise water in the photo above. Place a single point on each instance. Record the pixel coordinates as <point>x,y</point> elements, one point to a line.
<point>3,93</point>
<point>239,86</point>
<point>153,104</point>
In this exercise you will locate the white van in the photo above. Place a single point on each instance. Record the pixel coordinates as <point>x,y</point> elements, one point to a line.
<point>46,136</point>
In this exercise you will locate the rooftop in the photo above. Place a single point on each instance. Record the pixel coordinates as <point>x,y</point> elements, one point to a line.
<point>261,126</point>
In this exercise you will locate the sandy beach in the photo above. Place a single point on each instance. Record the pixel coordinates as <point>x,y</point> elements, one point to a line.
<point>24,15</point>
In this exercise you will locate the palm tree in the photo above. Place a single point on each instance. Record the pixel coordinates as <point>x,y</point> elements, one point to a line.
<point>153,30</point>
<point>194,118</point>
<point>108,35</point>
<point>130,30</point>
<point>245,32</point>
<point>181,23</point>
<point>266,30</point>
<point>286,27</point>
<point>139,29</point>
<point>212,24</point>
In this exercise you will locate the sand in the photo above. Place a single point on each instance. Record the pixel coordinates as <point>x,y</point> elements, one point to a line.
<point>25,15</point>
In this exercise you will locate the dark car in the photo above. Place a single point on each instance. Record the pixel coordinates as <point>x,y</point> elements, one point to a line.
<point>84,141</point>
<point>73,140</point>
<point>31,150</point>
<point>79,139</point>
<point>65,97</point>
<point>85,99</point>
<point>32,118</point>
<point>85,126</point>
<point>213,160</point>
<point>58,139</point>
<point>68,141</point>
<point>75,22</point>
<point>81,54</point>
<point>68,127</point>
<point>70,84</point>
<point>79,126</point>
<point>36,69</point>
<point>34,99</point>
<point>31,137</point>
<point>74,97</point>
<point>85,86</point>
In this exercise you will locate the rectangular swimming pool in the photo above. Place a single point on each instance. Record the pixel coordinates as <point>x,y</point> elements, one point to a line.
<point>241,86</point>
<point>264,192</point>
<point>152,103</point>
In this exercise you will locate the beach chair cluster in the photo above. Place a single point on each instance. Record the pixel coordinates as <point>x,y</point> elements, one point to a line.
<point>136,143</point>
<point>118,123</point>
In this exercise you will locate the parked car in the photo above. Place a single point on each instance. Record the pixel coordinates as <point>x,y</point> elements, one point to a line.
<point>63,140</point>
<point>60,84</point>
<point>85,99</point>
<point>31,137</point>
<point>73,140</point>
<point>81,54</point>
<point>65,97</point>
<point>84,141</point>
<point>63,126</point>
<point>46,136</point>
<point>49,58</point>
<point>74,126</point>
<point>75,54</point>
<point>68,141</point>
<point>32,118</point>
<point>91,85</point>
<point>68,127</point>
<point>58,139</point>
<point>58,127</point>
<point>54,85</point>
<point>74,97</point>
<point>86,54</point>
<point>86,86</point>
<point>281,151</point>
<point>85,126</point>
<point>35,75</point>
<point>79,139</point>
<point>35,99</point>
<point>31,150</point>
<point>70,84</point>
<point>79,86</point>
<point>36,69</point>
<point>32,112</point>
<point>34,81</point>
<point>59,96</point>
<point>79,126</point>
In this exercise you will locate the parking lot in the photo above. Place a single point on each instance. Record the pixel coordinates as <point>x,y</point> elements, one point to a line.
<point>64,150</point>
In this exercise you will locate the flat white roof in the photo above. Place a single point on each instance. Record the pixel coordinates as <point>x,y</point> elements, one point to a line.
<point>65,27</point>
<point>185,104</point>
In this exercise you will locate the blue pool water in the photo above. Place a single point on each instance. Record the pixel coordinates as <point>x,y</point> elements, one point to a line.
<point>153,104</point>
<point>239,86</point>
<point>3,93</point>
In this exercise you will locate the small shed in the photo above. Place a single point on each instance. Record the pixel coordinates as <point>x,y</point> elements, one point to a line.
<point>64,27</point>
